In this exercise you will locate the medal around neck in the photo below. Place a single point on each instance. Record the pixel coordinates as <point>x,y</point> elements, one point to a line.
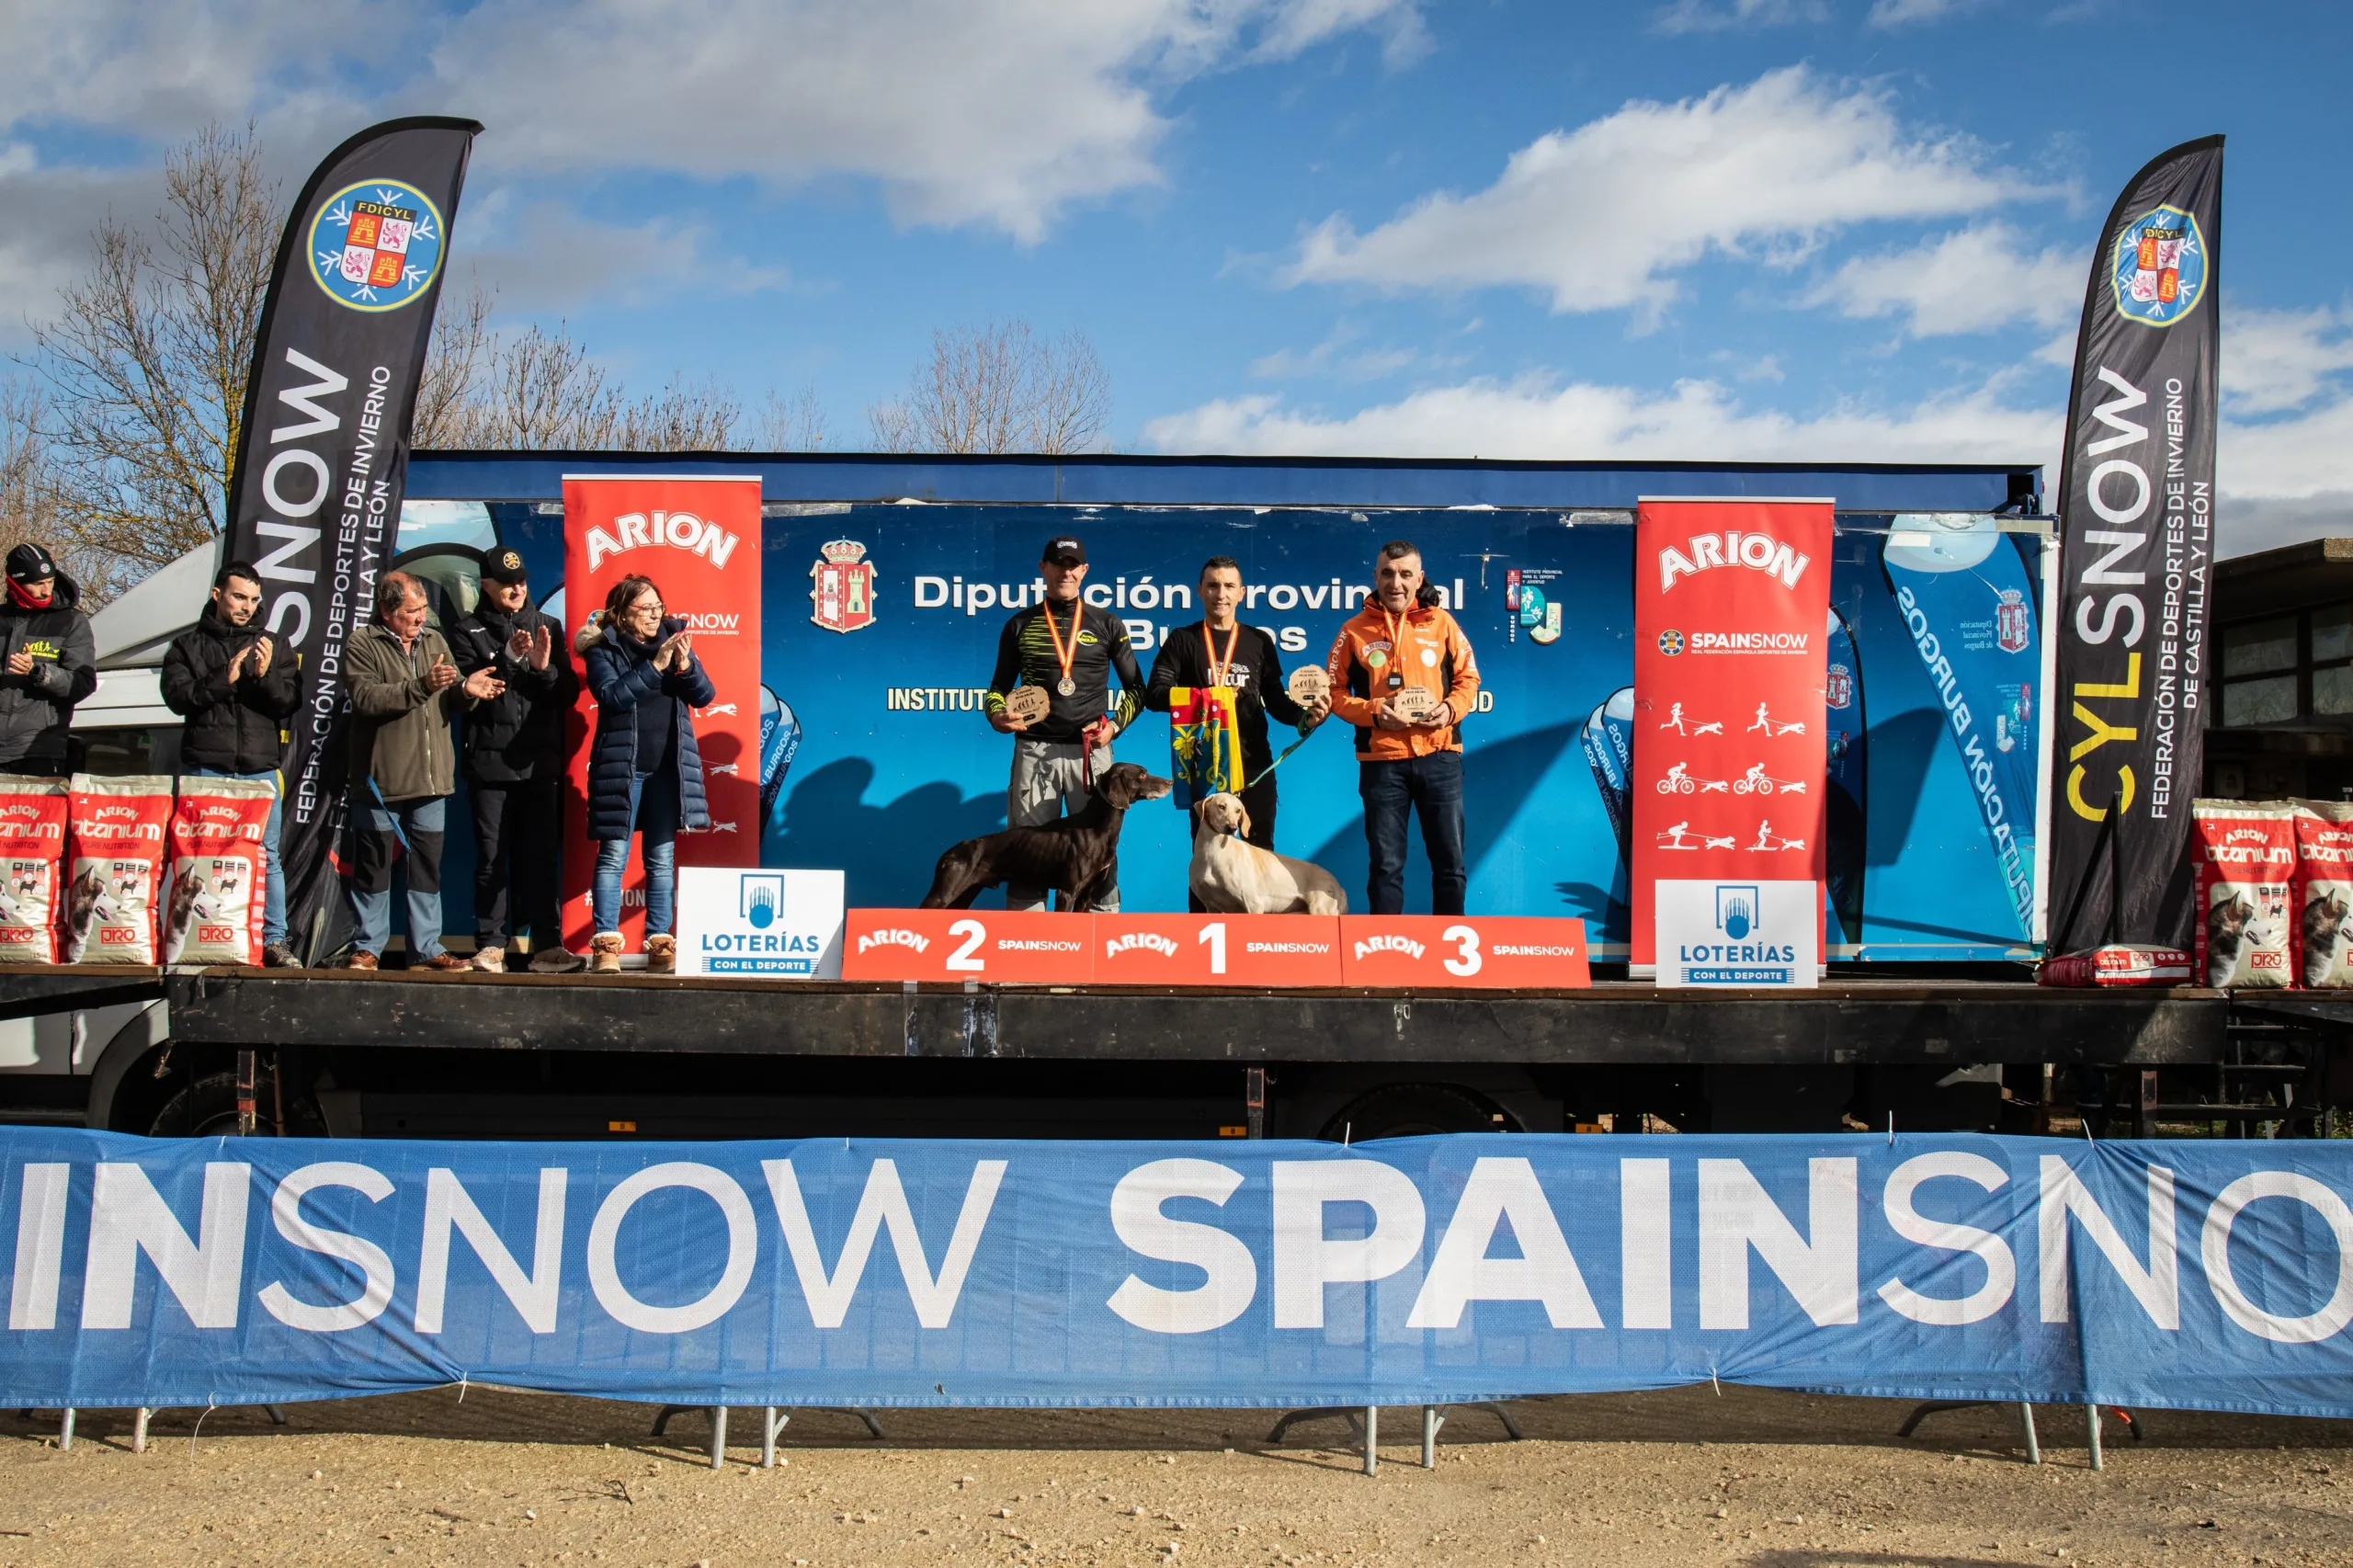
<point>1027,704</point>
<point>1309,685</point>
<point>1414,703</point>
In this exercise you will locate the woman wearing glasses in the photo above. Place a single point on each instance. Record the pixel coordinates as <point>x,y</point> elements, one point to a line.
<point>644,772</point>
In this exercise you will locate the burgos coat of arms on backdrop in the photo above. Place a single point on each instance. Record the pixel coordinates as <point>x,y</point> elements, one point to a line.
<point>844,591</point>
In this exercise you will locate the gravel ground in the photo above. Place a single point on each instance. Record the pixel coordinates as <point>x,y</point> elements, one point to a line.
<point>1741,1477</point>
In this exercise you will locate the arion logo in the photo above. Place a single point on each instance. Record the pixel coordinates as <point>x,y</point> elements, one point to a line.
<point>1132,940</point>
<point>897,936</point>
<point>662,530</point>
<point>1736,910</point>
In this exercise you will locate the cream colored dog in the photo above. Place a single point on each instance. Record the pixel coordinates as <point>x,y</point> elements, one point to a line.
<point>1231,876</point>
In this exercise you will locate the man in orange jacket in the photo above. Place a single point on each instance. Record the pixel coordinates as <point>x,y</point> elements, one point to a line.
<point>1404,674</point>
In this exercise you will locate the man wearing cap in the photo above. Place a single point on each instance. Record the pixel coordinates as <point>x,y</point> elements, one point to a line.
<point>48,663</point>
<point>234,687</point>
<point>1069,647</point>
<point>514,759</point>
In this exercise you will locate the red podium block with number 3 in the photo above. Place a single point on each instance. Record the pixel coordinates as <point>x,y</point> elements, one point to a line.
<point>992,945</point>
<point>1217,950</point>
<point>1446,952</point>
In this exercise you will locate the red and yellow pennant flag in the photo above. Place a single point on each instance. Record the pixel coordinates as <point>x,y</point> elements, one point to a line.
<point>1204,744</point>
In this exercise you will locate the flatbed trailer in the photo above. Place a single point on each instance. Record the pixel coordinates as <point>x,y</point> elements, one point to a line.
<point>460,1055</point>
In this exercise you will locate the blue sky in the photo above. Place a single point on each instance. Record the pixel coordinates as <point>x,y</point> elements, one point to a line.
<point>1840,229</point>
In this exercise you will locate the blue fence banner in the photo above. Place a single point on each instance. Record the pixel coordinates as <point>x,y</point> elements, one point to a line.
<point>2199,1274</point>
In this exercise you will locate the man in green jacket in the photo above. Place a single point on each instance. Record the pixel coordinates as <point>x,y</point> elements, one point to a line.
<point>404,690</point>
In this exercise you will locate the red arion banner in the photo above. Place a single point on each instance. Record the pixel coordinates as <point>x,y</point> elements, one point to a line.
<point>1730,602</point>
<point>699,539</point>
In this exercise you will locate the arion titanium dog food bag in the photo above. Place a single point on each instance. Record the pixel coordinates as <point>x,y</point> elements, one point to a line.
<point>114,862</point>
<point>213,912</point>
<point>2324,892</point>
<point>2246,910</point>
<point>32,853</point>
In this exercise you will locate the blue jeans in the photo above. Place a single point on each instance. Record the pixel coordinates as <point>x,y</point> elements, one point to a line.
<point>1432,784</point>
<point>653,814</point>
<point>273,904</point>
<point>418,824</point>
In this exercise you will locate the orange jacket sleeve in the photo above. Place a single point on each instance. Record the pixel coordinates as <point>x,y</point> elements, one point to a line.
<point>1462,697</point>
<point>1347,707</point>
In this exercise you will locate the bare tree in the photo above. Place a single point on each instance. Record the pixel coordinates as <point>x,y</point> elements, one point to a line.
<point>542,393</point>
<point>679,418</point>
<point>455,360</point>
<point>797,425</point>
<point>1000,387</point>
<point>148,358</point>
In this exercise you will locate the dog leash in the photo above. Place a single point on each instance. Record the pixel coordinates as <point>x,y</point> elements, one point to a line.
<point>1280,760</point>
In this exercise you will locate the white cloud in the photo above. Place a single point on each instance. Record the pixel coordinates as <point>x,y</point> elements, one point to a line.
<point>2278,359</point>
<point>2278,481</point>
<point>1905,13</point>
<point>1709,17</point>
<point>1974,280</point>
<point>1538,418</point>
<point>1001,112</point>
<point>1598,215</point>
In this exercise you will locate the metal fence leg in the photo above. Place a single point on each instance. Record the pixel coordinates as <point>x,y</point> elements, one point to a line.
<point>1372,1439</point>
<point>66,1430</point>
<point>719,1437</point>
<point>1431,1422</point>
<point>2091,1418</point>
<point>139,1431</point>
<point>771,1423</point>
<point>2033,1445</point>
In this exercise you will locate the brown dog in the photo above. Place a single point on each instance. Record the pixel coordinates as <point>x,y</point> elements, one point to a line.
<point>1078,856</point>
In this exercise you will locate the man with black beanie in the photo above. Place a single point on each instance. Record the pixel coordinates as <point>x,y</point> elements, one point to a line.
<point>235,686</point>
<point>48,663</point>
<point>514,760</point>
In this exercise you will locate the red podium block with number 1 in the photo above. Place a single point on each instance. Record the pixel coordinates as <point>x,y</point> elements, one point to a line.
<point>1217,950</point>
<point>992,945</point>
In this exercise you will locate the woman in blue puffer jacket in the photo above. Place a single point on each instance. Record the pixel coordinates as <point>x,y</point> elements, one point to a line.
<point>644,771</point>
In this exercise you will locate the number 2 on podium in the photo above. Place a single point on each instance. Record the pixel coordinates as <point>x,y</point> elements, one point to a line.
<point>975,934</point>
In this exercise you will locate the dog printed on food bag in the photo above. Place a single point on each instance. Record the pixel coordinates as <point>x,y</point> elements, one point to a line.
<point>2323,896</point>
<point>2246,933</point>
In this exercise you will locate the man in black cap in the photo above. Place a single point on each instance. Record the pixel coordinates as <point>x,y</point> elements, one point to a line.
<point>1069,647</point>
<point>235,686</point>
<point>47,664</point>
<point>514,758</point>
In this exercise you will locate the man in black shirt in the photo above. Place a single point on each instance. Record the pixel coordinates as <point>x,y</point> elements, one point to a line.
<point>1218,650</point>
<point>1070,649</point>
<point>514,764</point>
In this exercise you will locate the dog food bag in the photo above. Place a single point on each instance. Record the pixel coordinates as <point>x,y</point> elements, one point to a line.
<point>2324,902</point>
<point>213,911</point>
<point>2117,963</point>
<point>2247,913</point>
<point>32,852</point>
<point>114,863</point>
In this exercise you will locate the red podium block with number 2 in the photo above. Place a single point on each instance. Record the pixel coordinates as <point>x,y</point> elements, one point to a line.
<point>992,945</point>
<point>1217,950</point>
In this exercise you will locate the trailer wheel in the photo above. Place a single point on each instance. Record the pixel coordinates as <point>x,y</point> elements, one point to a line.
<point>208,1109</point>
<point>1413,1110</point>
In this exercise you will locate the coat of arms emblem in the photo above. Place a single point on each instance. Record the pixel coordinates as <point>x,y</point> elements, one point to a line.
<point>2159,270</point>
<point>376,246</point>
<point>843,593</point>
<point>2013,626</point>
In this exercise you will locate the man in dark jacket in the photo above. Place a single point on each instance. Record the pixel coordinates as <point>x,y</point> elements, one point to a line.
<point>235,686</point>
<point>513,761</point>
<point>404,691</point>
<point>48,663</point>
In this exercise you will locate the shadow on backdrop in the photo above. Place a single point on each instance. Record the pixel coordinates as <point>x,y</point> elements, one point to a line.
<point>1497,778</point>
<point>888,850</point>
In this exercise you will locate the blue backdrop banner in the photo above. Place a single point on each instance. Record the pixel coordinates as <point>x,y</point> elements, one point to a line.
<point>2211,1275</point>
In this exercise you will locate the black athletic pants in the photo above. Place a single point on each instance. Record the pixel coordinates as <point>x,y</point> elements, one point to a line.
<point>517,845</point>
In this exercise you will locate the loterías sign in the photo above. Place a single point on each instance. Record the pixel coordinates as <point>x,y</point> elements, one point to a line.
<point>1731,668</point>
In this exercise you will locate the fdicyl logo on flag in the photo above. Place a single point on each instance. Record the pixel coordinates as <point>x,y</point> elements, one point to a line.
<point>376,246</point>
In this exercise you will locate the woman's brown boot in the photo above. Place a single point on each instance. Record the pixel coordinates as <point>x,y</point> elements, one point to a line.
<point>605,953</point>
<point>661,955</point>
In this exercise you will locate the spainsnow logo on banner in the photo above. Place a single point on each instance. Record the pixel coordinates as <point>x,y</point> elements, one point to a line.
<point>696,538</point>
<point>1727,782</point>
<point>781,925</point>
